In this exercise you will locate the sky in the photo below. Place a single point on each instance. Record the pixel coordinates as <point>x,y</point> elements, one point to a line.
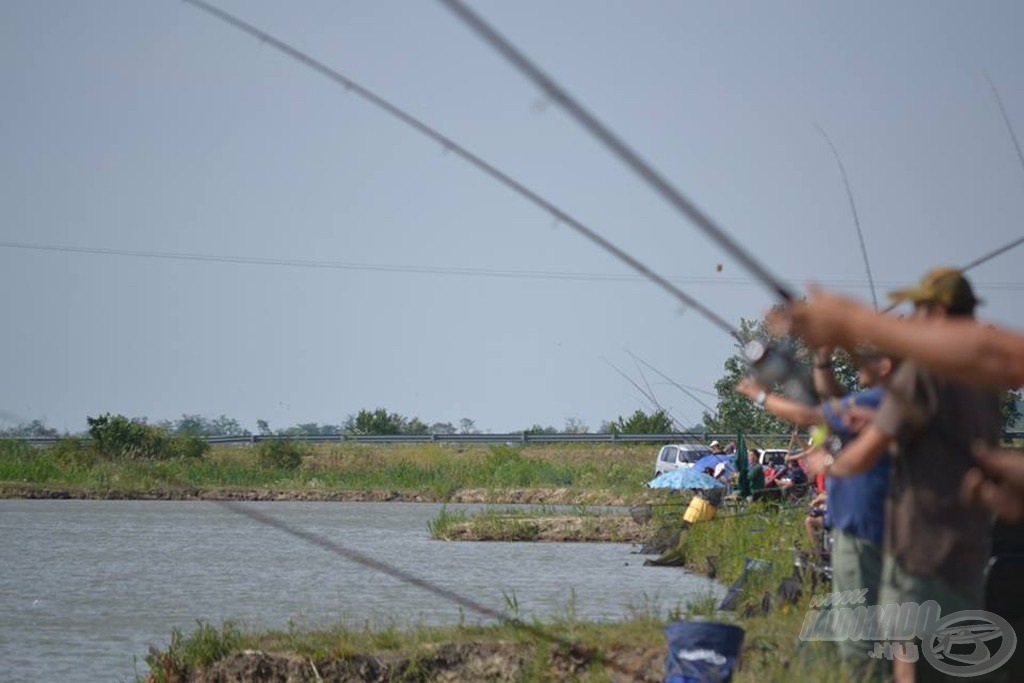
<point>134,127</point>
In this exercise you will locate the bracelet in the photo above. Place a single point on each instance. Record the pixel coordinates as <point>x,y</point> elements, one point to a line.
<point>761,398</point>
<point>825,365</point>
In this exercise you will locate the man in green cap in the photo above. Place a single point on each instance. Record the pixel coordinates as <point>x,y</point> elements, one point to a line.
<point>935,547</point>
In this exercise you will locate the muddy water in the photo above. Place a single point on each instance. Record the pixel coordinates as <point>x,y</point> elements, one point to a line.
<point>87,586</point>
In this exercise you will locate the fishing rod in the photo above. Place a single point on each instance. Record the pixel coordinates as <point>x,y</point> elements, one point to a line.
<point>853,210</point>
<point>977,262</point>
<point>649,396</point>
<point>617,146</point>
<point>411,579</point>
<point>1006,119</point>
<point>451,146</point>
<point>672,382</point>
<point>773,363</point>
<point>1020,155</point>
<point>992,255</point>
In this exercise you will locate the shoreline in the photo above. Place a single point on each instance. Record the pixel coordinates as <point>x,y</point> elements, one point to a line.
<point>517,496</point>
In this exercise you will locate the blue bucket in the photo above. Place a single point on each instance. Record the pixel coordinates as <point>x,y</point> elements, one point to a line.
<point>702,652</point>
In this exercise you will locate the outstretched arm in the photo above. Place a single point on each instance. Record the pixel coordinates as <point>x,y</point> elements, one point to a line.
<point>781,407</point>
<point>976,354</point>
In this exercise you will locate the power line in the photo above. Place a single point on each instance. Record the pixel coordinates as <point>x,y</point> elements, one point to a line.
<point>446,270</point>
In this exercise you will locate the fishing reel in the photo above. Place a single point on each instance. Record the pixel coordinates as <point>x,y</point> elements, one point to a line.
<point>773,364</point>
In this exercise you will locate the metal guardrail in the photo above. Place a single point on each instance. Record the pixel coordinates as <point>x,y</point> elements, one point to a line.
<point>511,438</point>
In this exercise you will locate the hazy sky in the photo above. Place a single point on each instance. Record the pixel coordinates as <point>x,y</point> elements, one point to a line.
<point>147,126</point>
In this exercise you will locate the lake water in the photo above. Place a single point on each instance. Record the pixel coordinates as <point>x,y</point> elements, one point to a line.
<point>87,586</point>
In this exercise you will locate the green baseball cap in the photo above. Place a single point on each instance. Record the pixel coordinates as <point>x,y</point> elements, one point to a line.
<point>944,285</point>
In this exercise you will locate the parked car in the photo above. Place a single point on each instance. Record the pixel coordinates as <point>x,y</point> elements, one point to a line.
<point>674,456</point>
<point>772,457</point>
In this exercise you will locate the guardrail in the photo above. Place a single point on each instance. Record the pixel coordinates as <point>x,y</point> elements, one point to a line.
<point>513,438</point>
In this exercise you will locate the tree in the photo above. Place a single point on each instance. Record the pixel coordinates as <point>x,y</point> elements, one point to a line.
<point>1010,408</point>
<point>35,428</point>
<point>467,426</point>
<point>197,425</point>
<point>381,422</point>
<point>442,428</point>
<point>640,422</point>
<point>311,429</point>
<point>574,425</point>
<point>540,429</point>
<point>736,413</point>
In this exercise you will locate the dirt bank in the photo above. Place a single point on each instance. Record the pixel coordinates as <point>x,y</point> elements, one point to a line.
<point>451,663</point>
<point>597,528</point>
<point>560,496</point>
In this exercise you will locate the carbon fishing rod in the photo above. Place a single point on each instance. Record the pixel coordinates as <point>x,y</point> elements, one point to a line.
<point>617,146</point>
<point>647,394</point>
<point>450,145</point>
<point>1020,155</point>
<point>411,579</point>
<point>977,262</point>
<point>853,210</point>
<point>1006,119</point>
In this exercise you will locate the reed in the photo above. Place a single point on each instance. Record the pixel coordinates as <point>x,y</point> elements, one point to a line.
<point>434,471</point>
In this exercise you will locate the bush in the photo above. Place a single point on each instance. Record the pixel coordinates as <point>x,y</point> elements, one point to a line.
<point>72,451</point>
<point>189,446</point>
<point>15,449</point>
<point>281,454</point>
<point>118,437</point>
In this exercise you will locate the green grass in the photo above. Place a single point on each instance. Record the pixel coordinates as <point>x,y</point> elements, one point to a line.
<point>435,470</point>
<point>510,524</point>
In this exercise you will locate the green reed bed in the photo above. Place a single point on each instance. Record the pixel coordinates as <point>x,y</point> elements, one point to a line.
<point>435,470</point>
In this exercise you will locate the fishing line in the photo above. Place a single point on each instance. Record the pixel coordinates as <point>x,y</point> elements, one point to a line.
<point>451,146</point>
<point>617,146</point>
<point>853,209</point>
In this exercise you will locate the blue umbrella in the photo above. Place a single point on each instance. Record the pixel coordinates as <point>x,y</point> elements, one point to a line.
<point>713,460</point>
<point>685,478</point>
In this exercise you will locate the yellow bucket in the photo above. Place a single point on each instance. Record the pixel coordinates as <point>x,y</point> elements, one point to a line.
<point>699,511</point>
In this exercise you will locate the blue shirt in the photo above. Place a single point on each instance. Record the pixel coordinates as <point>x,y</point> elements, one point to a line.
<point>856,504</point>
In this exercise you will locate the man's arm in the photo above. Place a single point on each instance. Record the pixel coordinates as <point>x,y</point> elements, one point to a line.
<point>998,483</point>
<point>857,457</point>
<point>781,407</point>
<point>824,375</point>
<point>980,355</point>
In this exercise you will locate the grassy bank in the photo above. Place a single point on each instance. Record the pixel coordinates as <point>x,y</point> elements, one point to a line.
<point>560,648</point>
<point>438,472</point>
<point>543,524</point>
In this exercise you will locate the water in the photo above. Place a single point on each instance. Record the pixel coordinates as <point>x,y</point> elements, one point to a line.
<point>87,586</point>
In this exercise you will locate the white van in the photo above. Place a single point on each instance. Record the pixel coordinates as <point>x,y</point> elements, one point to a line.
<point>674,456</point>
<point>774,457</point>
